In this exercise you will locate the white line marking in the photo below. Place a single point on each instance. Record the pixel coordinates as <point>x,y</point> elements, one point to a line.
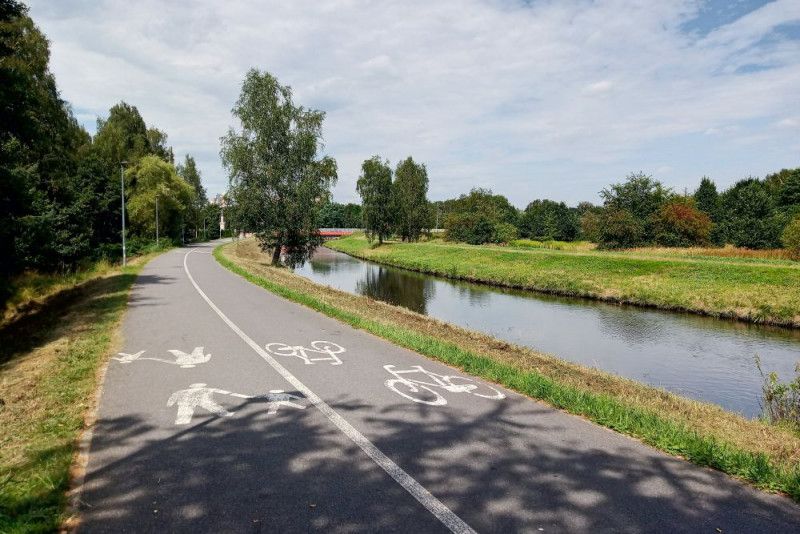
<point>431,503</point>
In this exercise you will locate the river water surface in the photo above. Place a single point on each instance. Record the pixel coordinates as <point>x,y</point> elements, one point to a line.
<point>699,357</point>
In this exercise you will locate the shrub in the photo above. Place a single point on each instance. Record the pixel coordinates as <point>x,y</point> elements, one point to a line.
<point>639,195</point>
<point>749,215</point>
<point>547,219</point>
<point>781,400</point>
<point>480,217</point>
<point>791,238</point>
<point>590,225</point>
<point>477,229</point>
<point>618,228</point>
<point>678,223</point>
<point>758,233</point>
<point>504,233</point>
<point>471,228</point>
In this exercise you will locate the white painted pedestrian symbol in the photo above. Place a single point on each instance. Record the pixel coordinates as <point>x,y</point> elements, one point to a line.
<point>328,349</point>
<point>421,388</point>
<point>186,361</point>
<point>201,396</point>
<point>277,398</point>
<point>197,396</point>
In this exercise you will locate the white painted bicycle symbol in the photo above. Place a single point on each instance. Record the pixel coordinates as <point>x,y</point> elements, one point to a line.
<point>422,388</point>
<point>329,349</point>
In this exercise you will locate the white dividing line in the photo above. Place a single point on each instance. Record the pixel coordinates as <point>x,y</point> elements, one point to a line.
<point>431,503</point>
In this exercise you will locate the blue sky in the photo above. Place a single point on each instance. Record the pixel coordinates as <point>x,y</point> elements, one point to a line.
<point>550,99</point>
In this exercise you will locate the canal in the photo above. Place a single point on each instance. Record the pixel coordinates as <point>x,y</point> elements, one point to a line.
<point>698,357</point>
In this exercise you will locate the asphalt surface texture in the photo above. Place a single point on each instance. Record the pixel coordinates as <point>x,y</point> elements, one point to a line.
<point>230,409</point>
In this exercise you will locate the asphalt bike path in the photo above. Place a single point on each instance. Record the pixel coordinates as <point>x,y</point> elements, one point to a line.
<point>230,409</point>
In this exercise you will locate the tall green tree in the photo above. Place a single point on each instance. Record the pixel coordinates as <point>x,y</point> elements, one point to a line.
<point>774,182</point>
<point>641,196</point>
<point>122,136</point>
<point>375,187</point>
<point>157,143</point>
<point>410,199</point>
<point>194,215</point>
<point>750,218</point>
<point>548,219</point>
<point>153,180</point>
<point>479,217</point>
<point>279,179</point>
<point>353,217</point>
<point>336,215</point>
<point>40,141</point>
<point>789,192</point>
<point>707,198</point>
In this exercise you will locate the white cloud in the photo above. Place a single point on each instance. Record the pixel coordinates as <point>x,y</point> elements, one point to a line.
<point>554,99</point>
<point>599,87</point>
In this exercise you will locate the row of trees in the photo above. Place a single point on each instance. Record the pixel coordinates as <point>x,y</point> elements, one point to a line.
<point>60,201</point>
<point>752,213</point>
<point>336,215</point>
<point>639,211</point>
<point>394,204</point>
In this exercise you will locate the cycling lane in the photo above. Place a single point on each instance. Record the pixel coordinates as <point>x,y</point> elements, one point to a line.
<point>196,434</point>
<point>508,464</point>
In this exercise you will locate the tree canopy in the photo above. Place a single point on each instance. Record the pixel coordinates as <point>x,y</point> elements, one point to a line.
<point>547,219</point>
<point>375,187</point>
<point>154,180</point>
<point>59,187</point>
<point>410,199</point>
<point>279,179</point>
<point>480,217</point>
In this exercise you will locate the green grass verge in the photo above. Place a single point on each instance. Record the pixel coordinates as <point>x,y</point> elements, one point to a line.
<point>49,361</point>
<point>647,426</point>
<point>29,288</point>
<point>717,286</point>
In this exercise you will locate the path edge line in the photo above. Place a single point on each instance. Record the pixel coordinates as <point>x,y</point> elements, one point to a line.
<point>446,516</point>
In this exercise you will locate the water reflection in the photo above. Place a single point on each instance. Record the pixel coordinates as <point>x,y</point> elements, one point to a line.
<point>700,357</point>
<point>410,290</point>
<point>632,327</point>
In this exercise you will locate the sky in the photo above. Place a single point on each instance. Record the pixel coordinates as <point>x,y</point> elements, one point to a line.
<point>532,99</point>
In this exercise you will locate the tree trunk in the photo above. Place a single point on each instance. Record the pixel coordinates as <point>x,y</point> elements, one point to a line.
<point>276,255</point>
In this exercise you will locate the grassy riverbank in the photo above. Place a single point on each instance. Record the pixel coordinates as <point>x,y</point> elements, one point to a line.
<point>767,456</point>
<point>53,341</point>
<point>755,290</point>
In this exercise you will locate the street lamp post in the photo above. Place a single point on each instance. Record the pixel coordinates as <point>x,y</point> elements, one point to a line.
<point>156,220</point>
<point>122,189</point>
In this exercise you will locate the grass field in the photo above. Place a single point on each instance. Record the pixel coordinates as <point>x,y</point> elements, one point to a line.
<point>761,290</point>
<point>768,456</point>
<point>53,341</point>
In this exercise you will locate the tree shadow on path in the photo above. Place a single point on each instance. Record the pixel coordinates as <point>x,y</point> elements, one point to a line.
<point>295,472</point>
